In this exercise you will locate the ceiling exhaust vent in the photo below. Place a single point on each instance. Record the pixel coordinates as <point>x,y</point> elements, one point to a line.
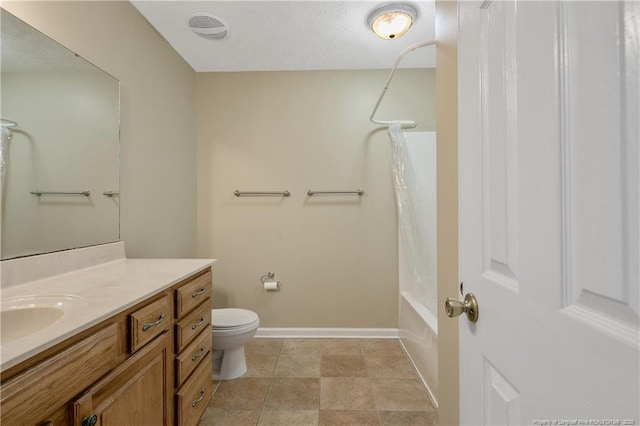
<point>208,26</point>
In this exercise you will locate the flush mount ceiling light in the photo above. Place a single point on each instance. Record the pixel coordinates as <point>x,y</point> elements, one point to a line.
<point>392,20</point>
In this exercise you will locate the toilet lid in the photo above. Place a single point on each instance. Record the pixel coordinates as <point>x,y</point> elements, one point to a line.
<point>232,317</point>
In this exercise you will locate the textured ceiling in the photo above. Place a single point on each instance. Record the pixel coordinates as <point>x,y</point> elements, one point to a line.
<point>288,35</point>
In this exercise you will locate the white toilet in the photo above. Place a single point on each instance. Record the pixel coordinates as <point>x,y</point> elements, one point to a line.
<point>232,328</point>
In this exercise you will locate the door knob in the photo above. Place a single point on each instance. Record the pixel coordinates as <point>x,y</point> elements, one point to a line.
<point>454,307</point>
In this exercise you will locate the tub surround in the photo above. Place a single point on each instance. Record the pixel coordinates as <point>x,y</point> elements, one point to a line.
<point>102,281</point>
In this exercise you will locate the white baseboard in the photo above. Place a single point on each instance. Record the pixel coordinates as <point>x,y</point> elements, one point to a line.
<point>318,333</point>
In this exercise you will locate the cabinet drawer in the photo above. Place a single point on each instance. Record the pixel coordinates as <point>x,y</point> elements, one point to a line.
<point>50,384</point>
<point>149,322</point>
<point>191,325</point>
<point>193,293</point>
<point>194,396</point>
<point>192,355</point>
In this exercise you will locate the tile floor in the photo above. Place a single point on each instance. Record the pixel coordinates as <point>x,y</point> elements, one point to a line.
<point>299,382</point>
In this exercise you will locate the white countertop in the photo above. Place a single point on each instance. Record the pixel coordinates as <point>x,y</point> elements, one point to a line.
<point>99,291</point>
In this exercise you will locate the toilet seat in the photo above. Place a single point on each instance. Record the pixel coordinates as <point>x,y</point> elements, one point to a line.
<point>233,318</point>
<point>234,331</point>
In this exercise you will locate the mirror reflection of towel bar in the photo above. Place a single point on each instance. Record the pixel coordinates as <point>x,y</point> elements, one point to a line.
<point>311,193</point>
<point>37,192</point>
<point>284,193</point>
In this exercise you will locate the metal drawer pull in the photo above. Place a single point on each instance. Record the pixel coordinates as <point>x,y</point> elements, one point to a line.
<point>198,324</point>
<point>148,325</point>
<point>197,293</point>
<point>197,401</point>
<point>198,355</point>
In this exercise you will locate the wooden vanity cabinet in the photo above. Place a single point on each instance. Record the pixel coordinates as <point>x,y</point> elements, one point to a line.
<point>34,396</point>
<point>119,372</point>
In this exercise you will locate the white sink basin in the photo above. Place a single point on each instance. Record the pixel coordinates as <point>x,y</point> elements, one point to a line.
<point>22,316</point>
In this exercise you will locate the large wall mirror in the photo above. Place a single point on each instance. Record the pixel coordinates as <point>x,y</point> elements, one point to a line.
<point>60,146</point>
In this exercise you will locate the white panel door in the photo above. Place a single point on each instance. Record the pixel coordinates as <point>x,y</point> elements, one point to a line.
<point>549,209</point>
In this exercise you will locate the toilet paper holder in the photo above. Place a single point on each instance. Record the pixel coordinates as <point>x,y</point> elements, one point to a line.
<point>268,283</point>
<point>269,275</point>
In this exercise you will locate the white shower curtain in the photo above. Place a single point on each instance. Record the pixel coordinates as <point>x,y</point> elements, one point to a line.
<point>6,134</point>
<point>412,217</point>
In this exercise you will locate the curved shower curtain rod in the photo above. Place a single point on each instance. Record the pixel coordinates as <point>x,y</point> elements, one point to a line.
<point>406,124</point>
<point>5,122</point>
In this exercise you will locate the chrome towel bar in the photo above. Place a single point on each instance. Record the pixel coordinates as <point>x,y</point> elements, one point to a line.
<point>37,192</point>
<point>284,193</point>
<point>311,193</point>
<point>111,194</point>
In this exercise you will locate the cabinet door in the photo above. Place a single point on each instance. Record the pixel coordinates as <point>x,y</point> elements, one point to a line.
<point>30,397</point>
<point>136,393</point>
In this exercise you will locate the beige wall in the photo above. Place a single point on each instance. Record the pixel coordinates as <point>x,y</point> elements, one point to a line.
<point>447,159</point>
<point>335,256</point>
<point>157,170</point>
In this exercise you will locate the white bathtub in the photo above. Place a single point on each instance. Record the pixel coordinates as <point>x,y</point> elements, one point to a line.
<point>418,331</point>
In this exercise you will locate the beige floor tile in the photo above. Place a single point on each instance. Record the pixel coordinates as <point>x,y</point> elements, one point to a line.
<point>298,364</point>
<point>339,382</point>
<point>341,347</point>
<point>286,393</point>
<point>226,417</point>
<point>343,366</point>
<point>401,395</point>
<point>263,346</point>
<point>346,393</point>
<point>408,418</point>
<point>309,346</point>
<point>260,365</point>
<point>394,366</point>
<point>348,418</point>
<point>381,347</point>
<point>243,393</point>
<point>288,418</point>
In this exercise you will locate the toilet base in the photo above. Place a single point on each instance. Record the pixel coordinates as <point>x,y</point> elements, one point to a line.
<point>229,363</point>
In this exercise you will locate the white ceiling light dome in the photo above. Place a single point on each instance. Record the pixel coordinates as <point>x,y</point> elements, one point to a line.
<point>392,20</point>
<point>208,26</point>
